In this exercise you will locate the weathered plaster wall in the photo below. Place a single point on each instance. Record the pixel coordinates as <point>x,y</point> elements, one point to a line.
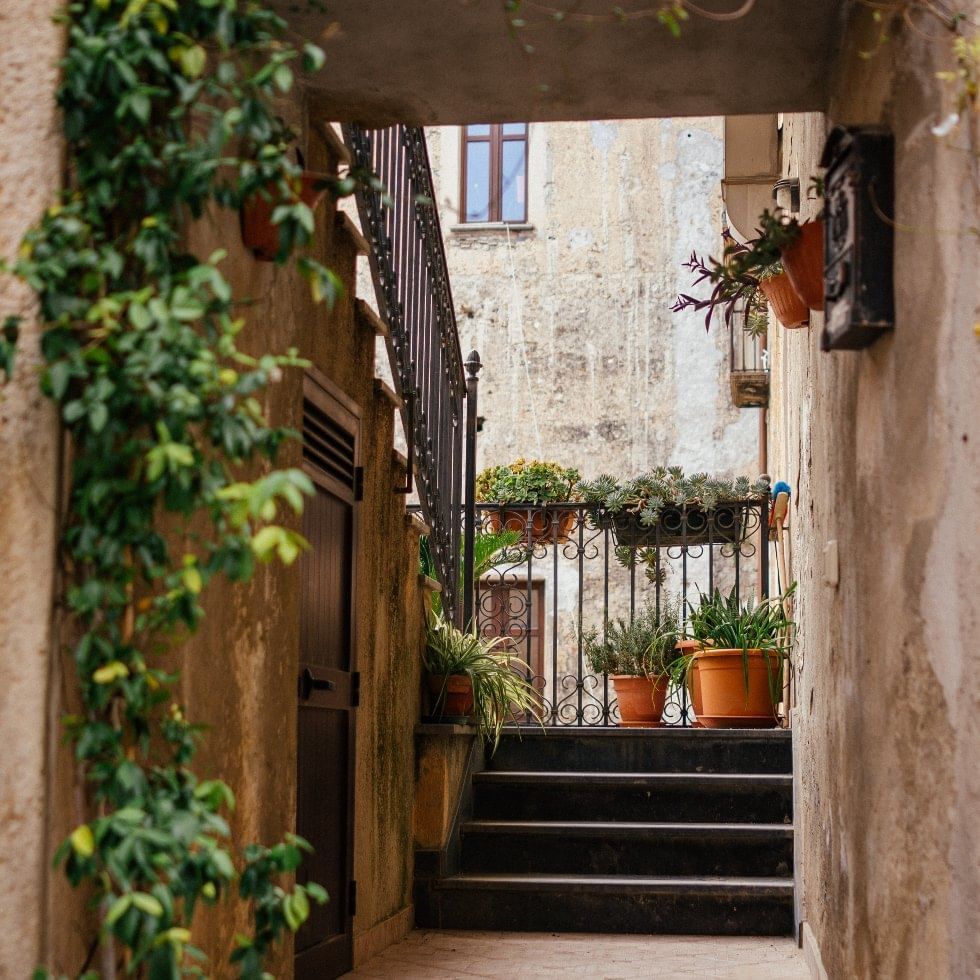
<point>240,668</point>
<point>881,449</point>
<point>30,173</point>
<point>584,362</point>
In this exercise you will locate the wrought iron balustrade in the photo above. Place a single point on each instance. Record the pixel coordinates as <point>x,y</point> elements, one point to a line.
<point>567,573</point>
<point>748,362</point>
<point>411,281</point>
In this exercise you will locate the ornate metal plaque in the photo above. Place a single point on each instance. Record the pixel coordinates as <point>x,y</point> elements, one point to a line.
<point>858,243</point>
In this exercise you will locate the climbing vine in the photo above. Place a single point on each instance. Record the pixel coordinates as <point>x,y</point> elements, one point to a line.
<point>169,111</point>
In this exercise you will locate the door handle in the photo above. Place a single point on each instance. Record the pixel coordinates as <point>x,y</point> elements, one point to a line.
<point>308,683</point>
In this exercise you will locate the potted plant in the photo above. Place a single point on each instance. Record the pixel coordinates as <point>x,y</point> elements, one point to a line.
<point>742,282</point>
<point>665,508</point>
<point>469,676</point>
<point>800,249</point>
<point>260,229</point>
<point>529,486</point>
<point>637,656</point>
<point>779,290</point>
<point>739,662</point>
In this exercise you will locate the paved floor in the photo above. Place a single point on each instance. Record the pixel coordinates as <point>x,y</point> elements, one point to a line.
<point>524,956</point>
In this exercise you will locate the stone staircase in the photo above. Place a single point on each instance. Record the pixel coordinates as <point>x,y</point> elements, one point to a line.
<point>682,831</point>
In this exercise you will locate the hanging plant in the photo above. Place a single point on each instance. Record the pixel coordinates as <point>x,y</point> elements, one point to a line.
<point>168,111</point>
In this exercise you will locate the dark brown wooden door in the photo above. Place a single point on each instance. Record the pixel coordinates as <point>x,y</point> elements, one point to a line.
<point>327,683</point>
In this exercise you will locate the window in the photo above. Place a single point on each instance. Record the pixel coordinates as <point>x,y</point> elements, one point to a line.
<point>494,173</point>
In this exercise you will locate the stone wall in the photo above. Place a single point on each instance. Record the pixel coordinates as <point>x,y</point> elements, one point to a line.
<point>880,447</point>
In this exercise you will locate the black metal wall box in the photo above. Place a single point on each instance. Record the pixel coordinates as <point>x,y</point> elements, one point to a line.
<point>858,236</point>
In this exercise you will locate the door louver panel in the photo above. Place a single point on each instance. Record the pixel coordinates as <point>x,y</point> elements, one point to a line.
<point>328,446</point>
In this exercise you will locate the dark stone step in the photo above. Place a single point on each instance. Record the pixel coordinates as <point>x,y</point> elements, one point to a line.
<point>644,750</point>
<point>570,903</point>
<point>637,797</point>
<point>656,849</point>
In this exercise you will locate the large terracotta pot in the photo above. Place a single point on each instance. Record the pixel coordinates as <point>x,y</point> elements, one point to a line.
<point>259,234</point>
<point>790,310</point>
<point>542,530</point>
<point>457,701</point>
<point>724,698</point>
<point>641,700</point>
<point>803,262</point>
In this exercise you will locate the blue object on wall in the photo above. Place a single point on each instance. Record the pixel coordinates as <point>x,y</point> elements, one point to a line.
<point>779,487</point>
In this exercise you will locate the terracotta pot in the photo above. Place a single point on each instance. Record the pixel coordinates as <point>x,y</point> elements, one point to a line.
<point>684,648</point>
<point>790,310</point>
<point>259,234</point>
<point>723,696</point>
<point>542,523</point>
<point>803,262</point>
<point>456,692</point>
<point>641,700</point>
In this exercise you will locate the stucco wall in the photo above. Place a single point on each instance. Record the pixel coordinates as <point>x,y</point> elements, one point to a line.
<point>881,449</point>
<point>30,173</point>
<point>240,668</point>
<point>584,362</point>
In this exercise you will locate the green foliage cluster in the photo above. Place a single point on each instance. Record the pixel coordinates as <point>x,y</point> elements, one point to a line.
<point>168,111</point>
<point>500,690</point>
<point>527,481</point>
<point>648,495</point>
<point>724,622</point>
<point>643,647</point>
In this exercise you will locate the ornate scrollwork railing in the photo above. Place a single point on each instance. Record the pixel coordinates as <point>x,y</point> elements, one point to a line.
<point>408,265</point>
<point>569,571</point>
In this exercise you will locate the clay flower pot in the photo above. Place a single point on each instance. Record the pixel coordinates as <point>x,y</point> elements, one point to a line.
<point>259,234</point>
<point>724,698</point>
<point>541,529</point>
<point>803,262</point>
<point>641,700</point>
<point>456,692</point>
<point>790,310</point>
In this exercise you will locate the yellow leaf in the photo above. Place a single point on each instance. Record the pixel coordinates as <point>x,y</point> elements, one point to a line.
<point>108,673</point>
<point>192,580</point>
<point>227,376</point>
<point>82,841</point>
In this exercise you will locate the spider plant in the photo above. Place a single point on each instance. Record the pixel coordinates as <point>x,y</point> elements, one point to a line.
<point>725,623</point>
<point>500,690</point>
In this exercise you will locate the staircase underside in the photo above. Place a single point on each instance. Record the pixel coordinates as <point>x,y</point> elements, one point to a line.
<point>662,831</point>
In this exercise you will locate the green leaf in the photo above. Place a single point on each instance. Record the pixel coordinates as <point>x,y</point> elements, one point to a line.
<point>148,904</point>
<point>119,908</point>
<point>98,416</point>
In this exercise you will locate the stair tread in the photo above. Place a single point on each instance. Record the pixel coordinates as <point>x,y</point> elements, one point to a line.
<point>550,776</point>
<point>590,827</point>
<point>624,883</point>
<point>666,732</point>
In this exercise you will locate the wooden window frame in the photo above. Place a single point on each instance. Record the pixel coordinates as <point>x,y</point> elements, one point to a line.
<point>496,138</point>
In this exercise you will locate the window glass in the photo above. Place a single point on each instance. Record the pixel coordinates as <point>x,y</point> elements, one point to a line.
<point>514,129</point>
<point>477,181</point>
<point>512,204</point>
<point>479,130</point>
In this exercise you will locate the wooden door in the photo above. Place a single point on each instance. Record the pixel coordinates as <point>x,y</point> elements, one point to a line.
<point>327,683</point>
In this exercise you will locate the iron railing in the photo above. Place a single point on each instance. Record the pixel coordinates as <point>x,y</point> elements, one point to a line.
<point>568,574</point>
<point>408,264</point>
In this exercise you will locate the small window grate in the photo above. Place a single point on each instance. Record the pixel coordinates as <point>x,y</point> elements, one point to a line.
<point>328,446</point>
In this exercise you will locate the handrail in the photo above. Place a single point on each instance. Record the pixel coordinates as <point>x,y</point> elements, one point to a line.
<point>408,264</point>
